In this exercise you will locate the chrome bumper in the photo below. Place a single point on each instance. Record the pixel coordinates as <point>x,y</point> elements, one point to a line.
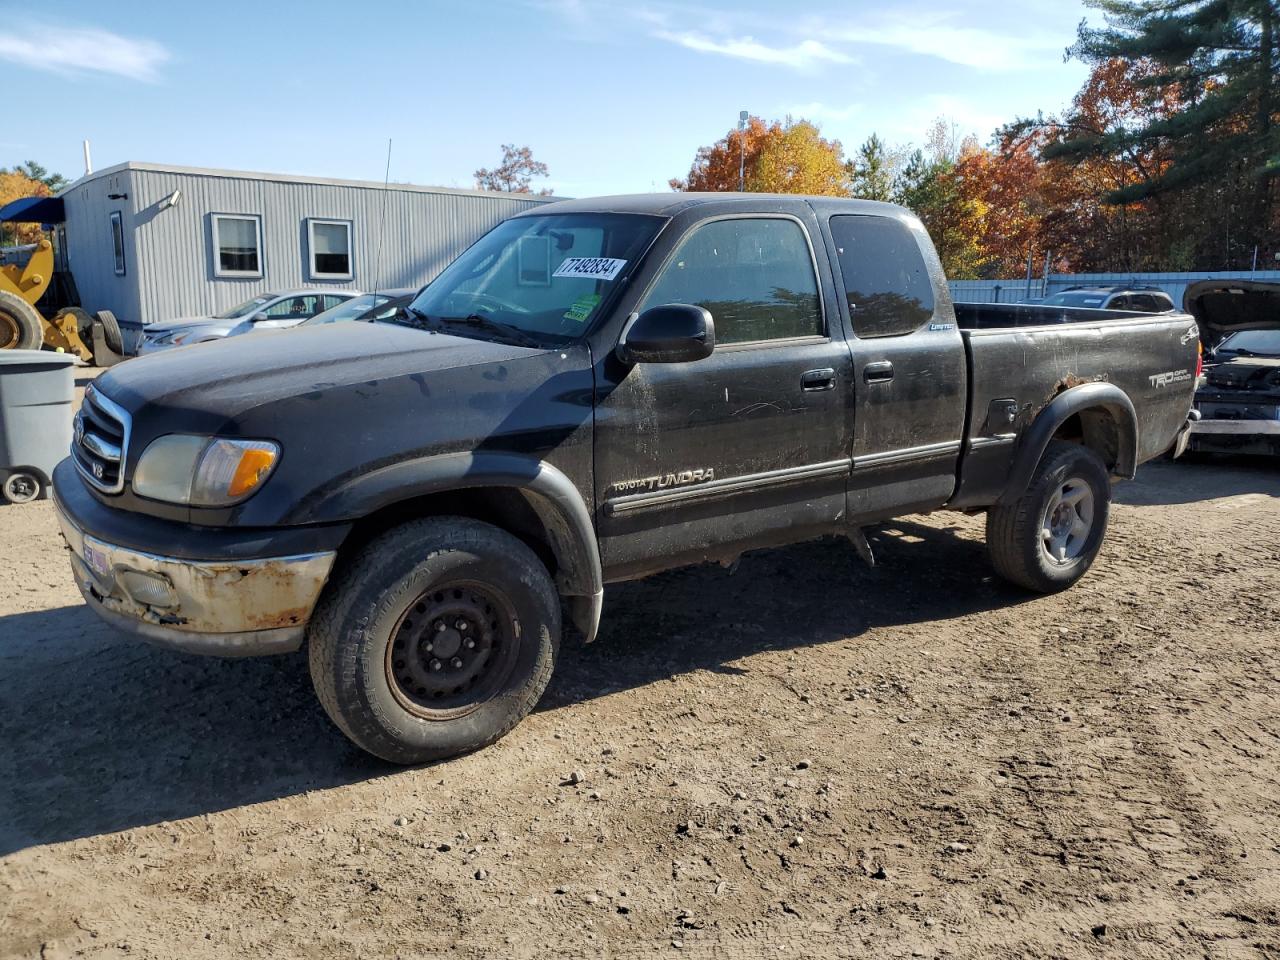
<point>221,608</point>
<point>1251,428</point>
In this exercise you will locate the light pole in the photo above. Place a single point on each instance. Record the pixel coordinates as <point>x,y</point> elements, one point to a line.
<point>742,156</point>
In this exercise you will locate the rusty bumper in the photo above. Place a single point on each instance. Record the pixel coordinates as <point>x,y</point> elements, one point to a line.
<point>222,608</point>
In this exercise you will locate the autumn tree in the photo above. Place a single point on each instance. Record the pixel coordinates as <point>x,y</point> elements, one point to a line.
<point>514,174</point>
<point>14,186</point>
<point>35,171</point>
<point>788,156</point>
<point>1218,63</point>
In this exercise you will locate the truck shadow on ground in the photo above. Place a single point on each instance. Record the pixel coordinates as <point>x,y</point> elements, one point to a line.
<point>1199,477</point>
<point>102,734</point>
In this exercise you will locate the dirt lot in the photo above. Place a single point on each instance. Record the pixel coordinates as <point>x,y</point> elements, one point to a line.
<point>801,758</point>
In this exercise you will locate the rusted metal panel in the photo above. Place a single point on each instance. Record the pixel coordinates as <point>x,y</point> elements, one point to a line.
<point>198,597</point>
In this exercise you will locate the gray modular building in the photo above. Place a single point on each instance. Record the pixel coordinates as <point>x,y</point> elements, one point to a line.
<point>151,242</point>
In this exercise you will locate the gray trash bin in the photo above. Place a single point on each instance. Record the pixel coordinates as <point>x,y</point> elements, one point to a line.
<point>37,392</point>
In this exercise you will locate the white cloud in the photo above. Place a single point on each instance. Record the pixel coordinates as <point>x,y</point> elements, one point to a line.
<point>80,50</point>
<point>803,55</point>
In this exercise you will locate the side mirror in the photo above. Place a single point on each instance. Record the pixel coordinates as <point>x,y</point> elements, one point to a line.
<point>673,333</point>
<point>258,318</point>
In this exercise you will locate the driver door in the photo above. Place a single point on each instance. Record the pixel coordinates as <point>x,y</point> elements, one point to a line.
<point>748,445</point>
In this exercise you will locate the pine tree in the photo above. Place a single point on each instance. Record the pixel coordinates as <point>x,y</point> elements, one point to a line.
<point>871,171</point>
<point>1219,61</point>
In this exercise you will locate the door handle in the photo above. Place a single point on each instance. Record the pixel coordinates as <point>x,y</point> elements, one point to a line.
<point>814,380</point>
<point>879,372</point>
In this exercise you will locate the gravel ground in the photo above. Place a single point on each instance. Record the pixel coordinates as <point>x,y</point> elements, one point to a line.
<point>804,757</point>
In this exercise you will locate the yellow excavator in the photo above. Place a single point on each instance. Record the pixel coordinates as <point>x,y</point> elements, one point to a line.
<point>21,325</point>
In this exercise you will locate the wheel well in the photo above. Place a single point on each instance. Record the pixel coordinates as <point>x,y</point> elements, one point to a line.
<point>1095,428</point>
<point>504,507</point>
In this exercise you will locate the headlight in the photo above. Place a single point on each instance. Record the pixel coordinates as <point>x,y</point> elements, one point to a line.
<point>203,471</point>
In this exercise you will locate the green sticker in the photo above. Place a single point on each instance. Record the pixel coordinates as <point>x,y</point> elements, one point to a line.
<point>582,307</point>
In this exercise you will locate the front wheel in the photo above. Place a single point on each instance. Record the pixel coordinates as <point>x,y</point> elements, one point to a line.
<point>435,639</point>
<point>1048,538</point>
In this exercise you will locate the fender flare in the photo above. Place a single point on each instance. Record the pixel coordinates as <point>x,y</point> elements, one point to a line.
<point>547,490</point>
<point>1078,399</point>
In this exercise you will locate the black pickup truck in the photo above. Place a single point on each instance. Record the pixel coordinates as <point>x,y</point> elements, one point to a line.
<point>595,391</point>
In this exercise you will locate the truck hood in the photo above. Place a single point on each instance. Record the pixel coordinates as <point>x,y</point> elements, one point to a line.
<point>1226,306</point>
<point>222,379</point>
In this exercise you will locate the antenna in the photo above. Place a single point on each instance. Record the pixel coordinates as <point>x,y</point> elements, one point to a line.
<point>382,224</point>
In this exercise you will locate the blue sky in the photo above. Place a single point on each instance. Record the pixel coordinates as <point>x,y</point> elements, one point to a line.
<point>613,97</point>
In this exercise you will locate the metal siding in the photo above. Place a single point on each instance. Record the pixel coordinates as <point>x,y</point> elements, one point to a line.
<point>1015,290</point>
<point>90,255</point>
<point>423,232</point>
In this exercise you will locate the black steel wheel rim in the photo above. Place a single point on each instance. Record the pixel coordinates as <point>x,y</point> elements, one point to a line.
<point>452,649</point>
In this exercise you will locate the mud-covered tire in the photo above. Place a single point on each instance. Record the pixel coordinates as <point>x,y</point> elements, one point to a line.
<point>362,633</point>
<point>111,331</point>
<point>20,326</point>
<point>1026,542</point>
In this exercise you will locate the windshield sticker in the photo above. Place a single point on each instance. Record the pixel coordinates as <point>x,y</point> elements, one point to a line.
<point>582,307</point>
<point>592,268</point>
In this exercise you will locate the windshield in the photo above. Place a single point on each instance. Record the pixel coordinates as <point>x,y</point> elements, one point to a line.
<point>348,309</point>
<point>541,278</point>
<point>244,309</point>
<point>1094,300</point>
<point>1261,343</point>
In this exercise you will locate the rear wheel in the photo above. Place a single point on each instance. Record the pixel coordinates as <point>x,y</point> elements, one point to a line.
<point>436,639</point>
<point>111,331</point>
<point>1048,538</point>
<point>20,326</point>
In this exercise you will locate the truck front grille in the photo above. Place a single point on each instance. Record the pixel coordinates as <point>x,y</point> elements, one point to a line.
<point>101,441</point>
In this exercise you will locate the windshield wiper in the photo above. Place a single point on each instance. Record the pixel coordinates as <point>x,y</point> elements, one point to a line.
<point>514,334</point>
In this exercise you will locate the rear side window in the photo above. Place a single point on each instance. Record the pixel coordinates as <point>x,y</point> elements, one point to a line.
<point>754,276</point>
<point>885,278</point>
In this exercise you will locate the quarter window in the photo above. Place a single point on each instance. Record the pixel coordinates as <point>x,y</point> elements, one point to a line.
<point>330,245</point>
<point>237,242</point>
<point>885,277</point>
<point>754,276</point>
<point>117,241</point>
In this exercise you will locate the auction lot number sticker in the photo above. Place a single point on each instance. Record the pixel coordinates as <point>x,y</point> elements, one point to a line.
<point>591,268</point>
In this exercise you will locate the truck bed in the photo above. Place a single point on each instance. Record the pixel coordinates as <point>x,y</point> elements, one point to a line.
<point>1021,356</point>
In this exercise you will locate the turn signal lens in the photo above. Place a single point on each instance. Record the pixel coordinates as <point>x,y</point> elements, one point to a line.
<point>232,469</point>
<point>1199,359</point>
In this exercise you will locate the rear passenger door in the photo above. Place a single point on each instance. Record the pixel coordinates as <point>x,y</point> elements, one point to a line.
<point>749,444</point>
<point>909,365</point>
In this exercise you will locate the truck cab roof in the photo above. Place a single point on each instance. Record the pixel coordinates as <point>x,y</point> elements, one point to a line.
<point>671,204</point>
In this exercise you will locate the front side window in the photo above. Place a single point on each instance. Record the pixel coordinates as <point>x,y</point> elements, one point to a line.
<point>754,276</point>
<point>294,308</point>
<point>330,244</point>
<point>885,278</point>
<point>500,287</point>
<point>117,241</point>
<point>237,243</point>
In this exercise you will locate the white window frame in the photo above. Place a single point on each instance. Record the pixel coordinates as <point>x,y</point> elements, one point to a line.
<point>315,274</point>
<point>117,243</point>
<point>215,219</point>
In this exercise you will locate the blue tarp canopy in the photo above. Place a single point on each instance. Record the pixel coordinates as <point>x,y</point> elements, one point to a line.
<point>33,210</point>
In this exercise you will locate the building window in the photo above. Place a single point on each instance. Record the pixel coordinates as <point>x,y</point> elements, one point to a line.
<point>117,241</point>
<point>330,245</point>
<point>237,244</point>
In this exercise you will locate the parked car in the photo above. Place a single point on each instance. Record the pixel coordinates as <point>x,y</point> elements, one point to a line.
<point>1239,399</point>
<point>1136,299</point>
<point>368,306</point>
<point>595,391</point>
<point>268,311</point>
